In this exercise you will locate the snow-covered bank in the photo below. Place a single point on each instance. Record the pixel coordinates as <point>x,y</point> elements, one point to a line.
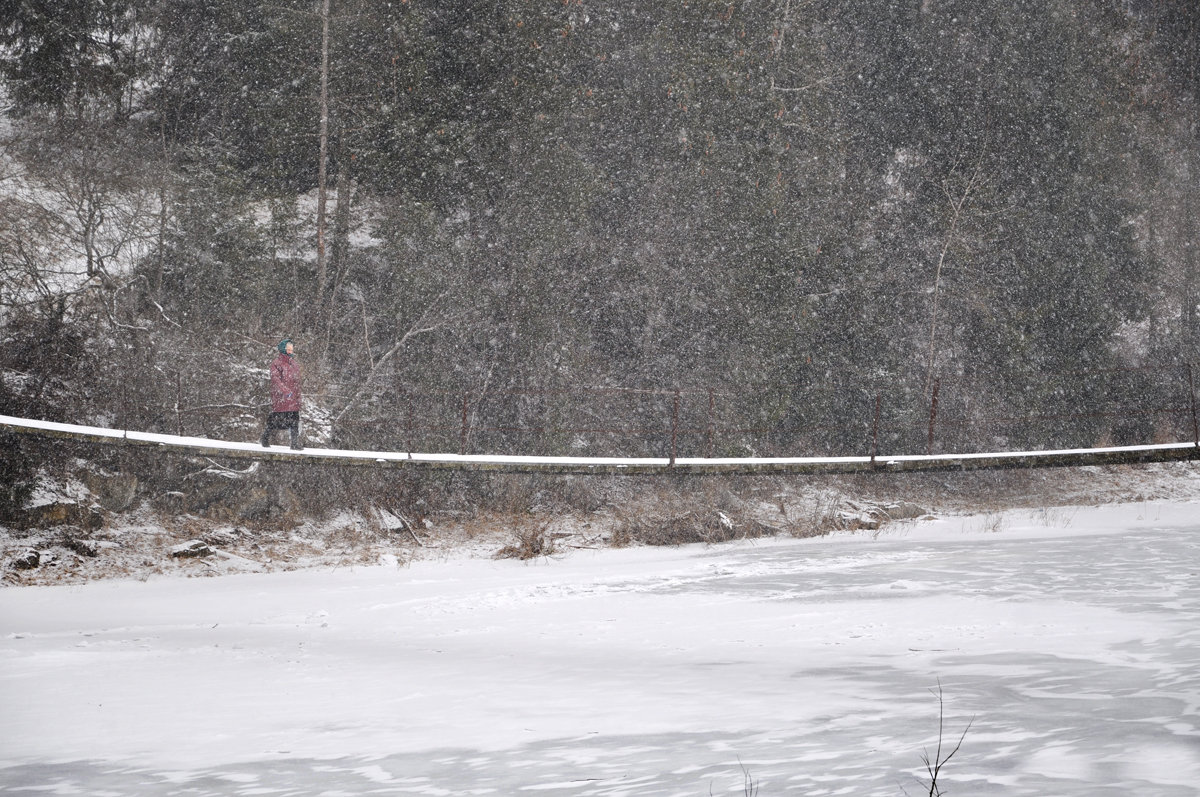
<point>1069,635</point>
<point>77,538</point>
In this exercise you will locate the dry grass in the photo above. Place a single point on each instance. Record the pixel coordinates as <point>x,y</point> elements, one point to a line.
<point>706,515</point>
<point>991,523</point>
<point>532,539</point>
<point>816,516</point>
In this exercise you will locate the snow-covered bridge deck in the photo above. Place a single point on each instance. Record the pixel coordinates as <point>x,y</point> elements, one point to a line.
<point>1116,455</point>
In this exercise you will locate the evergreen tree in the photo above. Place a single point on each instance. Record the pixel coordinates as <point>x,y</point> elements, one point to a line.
<point>61,54</point>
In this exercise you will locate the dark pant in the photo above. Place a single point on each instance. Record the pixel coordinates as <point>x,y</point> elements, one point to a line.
<point>283,420</point>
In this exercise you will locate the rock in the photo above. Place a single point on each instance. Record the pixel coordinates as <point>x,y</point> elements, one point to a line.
<point>905,511</point>
<point>222,536</point>
<point>62,513</point>
<point>29,560</point>
<point>855,521</point>
<point>211,500</point>
<point>114,492</point>
<point>192,549</point>
<point>81,547</point>
<point>171,502</point>
<point>234,501</point>
<point>259,504</point>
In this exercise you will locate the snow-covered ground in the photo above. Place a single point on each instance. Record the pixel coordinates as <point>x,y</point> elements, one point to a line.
<point>1068,639</point>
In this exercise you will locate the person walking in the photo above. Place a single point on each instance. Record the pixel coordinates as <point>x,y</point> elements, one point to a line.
<point>285,396</point>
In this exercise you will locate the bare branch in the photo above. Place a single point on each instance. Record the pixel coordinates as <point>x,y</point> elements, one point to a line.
<point>420,327</point>
<point>935,763</point>
<point>812,85</point>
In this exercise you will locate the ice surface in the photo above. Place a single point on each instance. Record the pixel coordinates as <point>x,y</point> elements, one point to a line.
<point>1070,639</point>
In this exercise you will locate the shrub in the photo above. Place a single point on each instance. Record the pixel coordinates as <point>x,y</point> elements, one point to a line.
<point>532,539</point>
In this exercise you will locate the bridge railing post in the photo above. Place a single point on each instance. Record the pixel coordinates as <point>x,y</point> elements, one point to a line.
<point>408,420</point>
<point>933,408</point>
<point>708,429</point>
<point>462,444</point>
<point>674,425</point>
<point>179,402</point>
<point>1192,396</point>
<point>875,428</point>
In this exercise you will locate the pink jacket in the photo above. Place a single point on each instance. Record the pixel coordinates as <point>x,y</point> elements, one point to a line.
<point>285,384</point>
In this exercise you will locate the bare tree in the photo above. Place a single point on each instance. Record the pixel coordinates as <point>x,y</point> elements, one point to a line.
<point>427,322</point>
<point>77,214</point>
<point>957,197</point>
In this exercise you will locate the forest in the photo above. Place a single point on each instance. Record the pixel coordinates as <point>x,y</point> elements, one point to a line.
<point>571,226</point>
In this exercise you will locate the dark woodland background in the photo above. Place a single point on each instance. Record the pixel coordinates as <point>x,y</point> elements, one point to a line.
<point>542,219</point>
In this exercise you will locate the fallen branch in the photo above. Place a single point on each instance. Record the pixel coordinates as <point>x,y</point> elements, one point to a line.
<point>407,527</point>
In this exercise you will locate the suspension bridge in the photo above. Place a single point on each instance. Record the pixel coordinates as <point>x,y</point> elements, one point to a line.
<point>873,463</point>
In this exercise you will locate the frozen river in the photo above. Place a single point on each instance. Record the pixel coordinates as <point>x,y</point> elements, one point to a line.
<point>1070,639</point>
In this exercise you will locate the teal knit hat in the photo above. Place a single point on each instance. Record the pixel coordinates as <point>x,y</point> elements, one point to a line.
<point>283,345</point>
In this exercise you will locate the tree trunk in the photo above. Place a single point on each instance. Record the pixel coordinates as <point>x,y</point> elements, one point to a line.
<point>1190,297</point>
<point>341,219</point>
<point>323,135</point>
